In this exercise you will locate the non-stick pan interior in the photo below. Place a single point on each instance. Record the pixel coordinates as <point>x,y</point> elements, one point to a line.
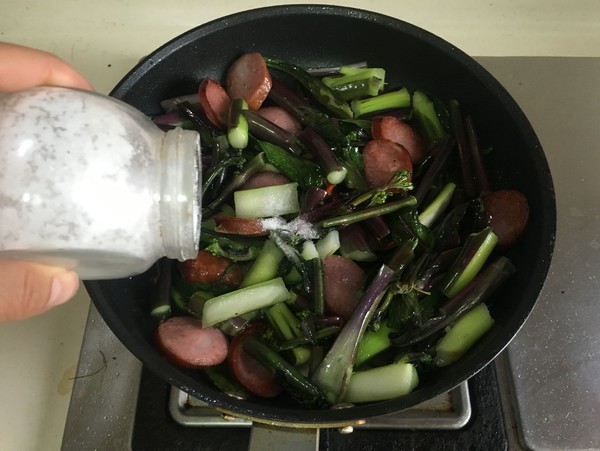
<point>317,36</point>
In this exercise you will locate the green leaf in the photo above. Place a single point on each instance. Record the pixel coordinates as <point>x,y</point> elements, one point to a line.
<point>297,169</point>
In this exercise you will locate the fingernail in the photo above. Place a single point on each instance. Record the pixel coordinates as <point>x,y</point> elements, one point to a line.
<point>64,287</point>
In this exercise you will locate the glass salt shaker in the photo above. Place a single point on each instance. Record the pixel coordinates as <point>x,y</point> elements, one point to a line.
<point>89,183</point>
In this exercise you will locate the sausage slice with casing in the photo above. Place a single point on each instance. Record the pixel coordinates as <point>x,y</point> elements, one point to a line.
<point>249,78</point>
<point>184,342</point>
<point>383,159</point>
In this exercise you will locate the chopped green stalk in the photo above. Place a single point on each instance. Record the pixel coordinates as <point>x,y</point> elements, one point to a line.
<point>277,200</point>
<point>253,166</point>
<point>332,374</point>
<point>359,89</point>
<point>323,94</point>
<point>352,74</point>
<point>361,215</point>
<point>309,250</point>
<point>463,335</point>
<point>244,300</point>
<point>361,68</point>
<point>318,293</point>
<point>427,119</point>
<point>382,383</point>
<point>162,303</point>
<point>237,125</point>
<point>435,209</point>
<point>266,265</point>
<point>469,262</point>
<point>305,173</point>
<point>355,83</point>
<point>287,327</point>
<point>329,244</point>
<point>384,102</point>
<point>335,70</point>
<point>373,343</point>
<point>283,321</point>
<point>294,382</point>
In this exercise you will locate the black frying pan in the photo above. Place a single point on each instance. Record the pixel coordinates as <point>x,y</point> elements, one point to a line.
<point>315,36</point>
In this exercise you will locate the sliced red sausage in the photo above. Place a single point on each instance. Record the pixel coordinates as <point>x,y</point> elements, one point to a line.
<point>383,159</point>
<point>249,78</point>
<point>343,281</point>
<point>254,376</point>
<point>240,226</point>
<point>281,118</point>
<point>398,131</point>
<point>215,102</point>
<point>265,178</point>
<point>508,213</point>
<point>207,268</point>
<point>185,343</point>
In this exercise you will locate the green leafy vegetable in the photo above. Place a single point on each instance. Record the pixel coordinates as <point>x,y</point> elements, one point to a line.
<point>297,169</point>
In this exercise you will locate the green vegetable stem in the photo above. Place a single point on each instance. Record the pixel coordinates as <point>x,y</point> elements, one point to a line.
<point>293,381</point>
<point>237,125</point>
<point>384,102</point>
<point>322,93</point>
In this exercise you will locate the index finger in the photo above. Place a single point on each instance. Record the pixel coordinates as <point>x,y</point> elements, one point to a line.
<point>23,67</point>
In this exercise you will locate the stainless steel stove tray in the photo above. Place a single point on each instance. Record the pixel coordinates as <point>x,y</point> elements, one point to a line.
<point>447,411</point>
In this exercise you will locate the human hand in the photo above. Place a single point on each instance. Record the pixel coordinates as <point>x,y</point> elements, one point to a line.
<point>27,289</point>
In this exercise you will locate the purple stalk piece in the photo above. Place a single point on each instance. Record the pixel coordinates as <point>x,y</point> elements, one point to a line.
<point>268,131</point>
<point>480,175</point>
<point>333,373</point>
<point>458,128</point>
<point>334,170</point>
<point>441,154</point>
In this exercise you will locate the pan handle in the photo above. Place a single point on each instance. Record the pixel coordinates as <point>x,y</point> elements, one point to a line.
<point>268,437</point>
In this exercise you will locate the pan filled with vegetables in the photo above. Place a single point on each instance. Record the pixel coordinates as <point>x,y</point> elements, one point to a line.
<point>378,217</point>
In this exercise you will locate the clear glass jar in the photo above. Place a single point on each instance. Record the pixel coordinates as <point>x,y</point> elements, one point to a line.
<point>89,183</point>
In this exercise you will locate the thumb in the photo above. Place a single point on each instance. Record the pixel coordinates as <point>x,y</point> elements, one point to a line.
<point>27,289</point>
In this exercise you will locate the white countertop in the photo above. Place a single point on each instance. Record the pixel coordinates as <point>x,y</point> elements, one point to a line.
<point>104,40</point>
